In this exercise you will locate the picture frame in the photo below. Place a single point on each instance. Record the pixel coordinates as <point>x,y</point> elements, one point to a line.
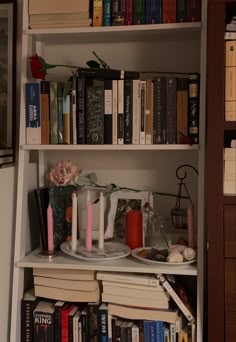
<point>6,83</point>
<point>120,202</point>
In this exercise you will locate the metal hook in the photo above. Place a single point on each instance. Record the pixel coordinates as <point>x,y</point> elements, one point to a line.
<point>185,173</point>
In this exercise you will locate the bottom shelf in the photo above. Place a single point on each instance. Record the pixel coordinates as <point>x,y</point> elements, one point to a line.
<point>128,264</point>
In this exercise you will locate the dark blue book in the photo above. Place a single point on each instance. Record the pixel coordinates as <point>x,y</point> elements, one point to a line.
<point>32,117</point>
<point>80,109</point>
<point>153,11</point>
<point>103,323</point>
<point>106,12</point>
<point>146,330</point>
<point>159,330</point>
<point>152,332</point>
<point>159,104</point>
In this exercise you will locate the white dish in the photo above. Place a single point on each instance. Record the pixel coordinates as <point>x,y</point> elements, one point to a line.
<point>135,252</point>
<point>111,251</point>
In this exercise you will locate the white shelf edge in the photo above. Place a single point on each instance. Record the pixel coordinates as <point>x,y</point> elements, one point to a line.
<point>164,147</point>
<point>106,29</point>
<point>128,264</point>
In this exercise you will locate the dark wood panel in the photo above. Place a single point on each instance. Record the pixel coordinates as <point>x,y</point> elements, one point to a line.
<point>230,125</point>
<point>230,326</point>
<point>214,174</point>
<point>230,231</point>
<point>230,200</point>
<point>230,285</point>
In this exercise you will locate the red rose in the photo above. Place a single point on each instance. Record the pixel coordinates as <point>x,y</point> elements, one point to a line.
<point>37,67</point>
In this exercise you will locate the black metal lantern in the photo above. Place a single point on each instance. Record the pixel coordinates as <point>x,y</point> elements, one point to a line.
<point>179,214</point>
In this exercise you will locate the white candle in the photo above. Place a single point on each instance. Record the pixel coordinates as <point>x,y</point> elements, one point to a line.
<point>74,222</point>
<point>101,222</point>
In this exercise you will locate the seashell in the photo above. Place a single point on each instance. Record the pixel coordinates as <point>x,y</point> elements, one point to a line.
<point>189,254</point>
<point>177,248</point>
<point>175,257</point>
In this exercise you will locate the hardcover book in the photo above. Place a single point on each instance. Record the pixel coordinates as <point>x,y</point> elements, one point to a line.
<point>44,322</point>
<point>129,12</point>
<point>33,119</point>
<point>42,200</point>
<point>181,8</point>
<point>57,320</point>
<point>108,111</point>
<point>80,109</point>
<point>118,12</point>
<point>60,90</point>
<point>153,11</point>
<point>97,12</point>
<point>159,110</point>
<point>139,12</point>
<point>169,11</point>
<point>194,10</point>
<point>53,113</point>
<point>120,112</point>
<point>106,12</point>
<point>128,111</point>
<point>45,111</point>
<point>95,111</point>
<point>28,304</point>
<point>182,108</point>
<point>171,115</point>
<point>193,107</point>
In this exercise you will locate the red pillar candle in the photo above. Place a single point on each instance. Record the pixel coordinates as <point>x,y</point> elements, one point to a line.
<point>134,229</point>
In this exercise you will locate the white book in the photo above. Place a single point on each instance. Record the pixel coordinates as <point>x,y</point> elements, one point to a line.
<point>142,138</point>
<point>129,278</point>
<point>172,333</point>
<point>166,334</point>
<point>34,18</point>
<point>153,289</point>
<point>59,6</point>
<point>230,166</point>
<point>61,24</point>
<point>230,177</point>
<point>67,284</point>
<point>175,297</point>
<point>230,110</point>
<point>140,302</point>
<point>136,111</point>
<point>229,187</point>
<point>135,333</point>
<point>76,326</point>
<point>230,35</point>
<point>120,113</point>
<point>134,293</point>
<point>109,326</point>
<point>80,332</point>
<point>114,110</point>
<point>64,274</point>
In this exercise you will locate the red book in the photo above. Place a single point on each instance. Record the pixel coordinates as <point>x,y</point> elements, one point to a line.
<point>169,11</point>
<point>129,12</point>
<point>194,10</point>
<point>64,322</point>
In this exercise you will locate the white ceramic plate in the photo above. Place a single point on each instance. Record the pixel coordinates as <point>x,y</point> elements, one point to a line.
<point>135,252</point>
<point>112,251</point>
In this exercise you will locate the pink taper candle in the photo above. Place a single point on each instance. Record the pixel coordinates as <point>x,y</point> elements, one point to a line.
<point>50,229</point>
<point>89,224</point>
<point>74,222</point>
<point>190,227</point>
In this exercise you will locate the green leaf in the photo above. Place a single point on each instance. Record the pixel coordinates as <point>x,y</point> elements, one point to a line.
<point>83,181</point>
<point>93,178</point>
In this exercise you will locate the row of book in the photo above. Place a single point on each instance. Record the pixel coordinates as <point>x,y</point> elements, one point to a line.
<point>45,14</point>
<point>128,301</point>
<point>102,110</point>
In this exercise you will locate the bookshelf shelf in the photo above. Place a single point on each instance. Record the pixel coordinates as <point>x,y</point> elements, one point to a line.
<point>230,125</point>
<point>122,265</point>
<point>118,33</point>
<point>110,147</point>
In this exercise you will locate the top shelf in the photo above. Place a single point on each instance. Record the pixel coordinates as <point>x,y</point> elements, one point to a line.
<point>118,33</point>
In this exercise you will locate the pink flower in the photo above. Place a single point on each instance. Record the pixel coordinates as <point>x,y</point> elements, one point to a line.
<point>63,174</point>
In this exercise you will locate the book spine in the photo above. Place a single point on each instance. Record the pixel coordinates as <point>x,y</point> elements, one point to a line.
<point>65,325</point>
<point>169,11</point>
<point>97,13</point>
<point>152,332</point>
<point>66,119</point>
<point>175,297</point>
<point>107,12</point>
<point>93,322</point>
<point>129,332</point>
<point>27,320</point>
<point>53,113</point>
<point>75,329</point>
<point>139,12</point>
<point>57,322</point>
<point>129,12</point>
<point>128,111</point>
<point>74,123</point>
<point>33,120</point>
<point>193,107</point>
<point>149,112</point>
<point>136,111</point>
<point>118,12</point>
<point>120,113</point>
<point>153,11</point>
<point>171,118</point>
<point>110,74</point>
<point>166,337</point>
<point>108,111</point>
<point>60,112</point>
<point>142,137</point>
<point>109,327</point>
<point>135,333</point>
<point>70,328</point>
<point>159,112</point>
<point>95,112</point>
<point>182,108</point>
<point>172,333</point>
<point>84,323</point>
<point>159,330</point>
<point>80,109</point>
<point>113,325</point>
<point>43,327</point>
<point>114,111</point>
<point>45,111</point>
<point>146,330</point>
<point>123,332</point>
<point>103,324</point>
<point>194,10</point>
<point>230,53</point>
<point>181,7</point>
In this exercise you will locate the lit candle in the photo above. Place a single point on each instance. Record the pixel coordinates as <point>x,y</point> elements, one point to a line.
<point>74,222</point>
<point>101,222</point>
<point>50,229</point>
<point>89,224</point>
<point>190,227</point>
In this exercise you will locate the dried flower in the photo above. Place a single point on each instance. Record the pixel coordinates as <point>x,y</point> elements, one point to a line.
<point>39,66</point>
<point>63,174</point>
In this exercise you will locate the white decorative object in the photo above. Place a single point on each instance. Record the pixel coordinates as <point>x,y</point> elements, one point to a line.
<point>189,254</point>
<point>124,196</point>
<point>111,251</point>
<point>101,222</point>
<point>175,257</point>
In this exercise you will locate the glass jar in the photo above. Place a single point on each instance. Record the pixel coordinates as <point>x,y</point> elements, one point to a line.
<point>161,232</point>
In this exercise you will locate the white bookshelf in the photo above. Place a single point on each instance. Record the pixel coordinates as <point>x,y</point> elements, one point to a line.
<point>179,47</point>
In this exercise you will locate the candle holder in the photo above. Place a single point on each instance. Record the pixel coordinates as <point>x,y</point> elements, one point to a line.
<point>44,254</point>
<point>179,214</point>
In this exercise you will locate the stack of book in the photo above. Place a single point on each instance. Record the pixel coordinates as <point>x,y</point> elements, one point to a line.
<point>230,79</point>
<point>58,14</point>
<point>230,171</point>
<point>131,108</point>
<point>142,291</point>
<point>66,285</point>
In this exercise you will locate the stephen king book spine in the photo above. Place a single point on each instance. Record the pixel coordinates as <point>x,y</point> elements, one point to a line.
<point>27,320</point>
